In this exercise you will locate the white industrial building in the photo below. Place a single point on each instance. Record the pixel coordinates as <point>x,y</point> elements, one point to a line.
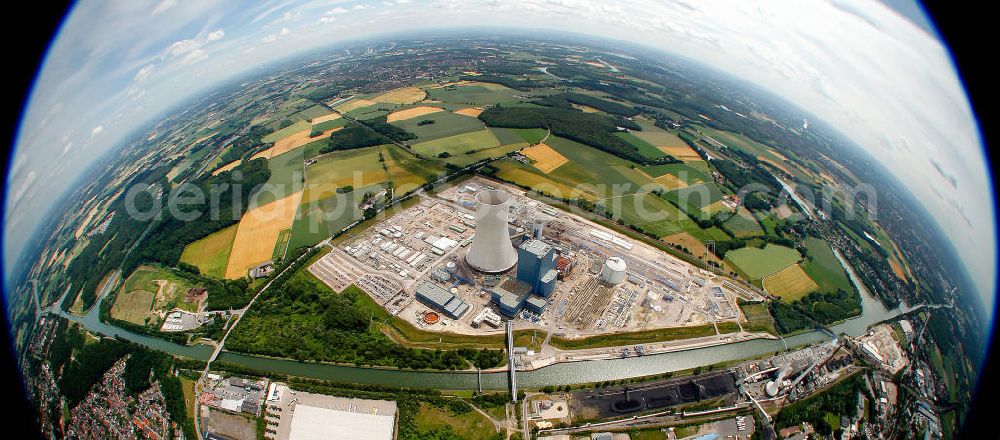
<point>315,423</point>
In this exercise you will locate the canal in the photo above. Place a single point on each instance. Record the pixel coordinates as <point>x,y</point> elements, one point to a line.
<point>558,374</point>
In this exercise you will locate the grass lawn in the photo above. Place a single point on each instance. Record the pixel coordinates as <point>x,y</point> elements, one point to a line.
<point>211,254</point>
<point>756,263</point>
<point>187,386</point>
<point>445,124</point>
<point>639,337</point>
<point>133,306</point>
<point>470,425</point>
<point>824,268</point>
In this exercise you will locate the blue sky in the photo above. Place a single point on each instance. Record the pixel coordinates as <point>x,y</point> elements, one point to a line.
<point>887,83</point>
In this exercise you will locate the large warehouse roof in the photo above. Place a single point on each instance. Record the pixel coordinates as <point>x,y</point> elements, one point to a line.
<point>313,423</point>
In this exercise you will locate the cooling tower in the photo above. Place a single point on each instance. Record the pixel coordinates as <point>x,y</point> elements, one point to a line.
<point>491,250</point>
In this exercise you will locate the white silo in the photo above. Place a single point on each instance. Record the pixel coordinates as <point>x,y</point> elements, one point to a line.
<point>491,249</point>
<point>613,271</point>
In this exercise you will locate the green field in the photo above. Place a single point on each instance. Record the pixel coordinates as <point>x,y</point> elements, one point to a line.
<point>406,171</point>
<point>639,337</point>
<point>317,220</point>
<point>211,254</point>
<point>685,172</point>
<point>645,148</point>
<point>281,244</point>
<point>327,125</point>
<point>758,318</point>
<point>473,95</point>
<point>458,145</point>
<point>743,224</point>
<point>286,178</point>
<point>756,263</point>
<point>656,135</point>
<point>357,168</point>
<point>471,424</point>
<point>696,199</point>
<point>285,132</point>
<point>445,124</point>
<point>652,214</point>
<point>142,292</point>
<point>824,268</point>
<point>518,135</point>
<point>311,112</point>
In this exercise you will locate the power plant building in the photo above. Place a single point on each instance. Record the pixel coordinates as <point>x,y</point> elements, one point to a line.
<point>537,266</point>
<point>440,299</point>
<point>491,250</point>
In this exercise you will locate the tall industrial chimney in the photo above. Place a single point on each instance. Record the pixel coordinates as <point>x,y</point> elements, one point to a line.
<point>491,250</point>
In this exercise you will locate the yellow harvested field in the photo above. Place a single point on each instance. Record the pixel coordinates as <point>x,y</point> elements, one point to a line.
<point>405,95</point>
<point>546,159</point>
<point>776,164</point>
<point>470,111</point>
<point>266,154</point>
<point>354,104</point>
<point>226,167</point>
<point>411,113</point>
<point>586,108</point>
<point>682,152</point>
<point>671,182</point>
<point>325,118</point>
<point>790,283</point>
<point>296,140</point>
<point>258,232</point>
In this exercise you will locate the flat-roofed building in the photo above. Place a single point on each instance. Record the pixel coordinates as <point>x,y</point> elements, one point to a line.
<point>315,423</point>
<point>440,299</point>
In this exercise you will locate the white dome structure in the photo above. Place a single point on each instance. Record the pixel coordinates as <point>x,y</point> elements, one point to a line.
<point>613,271</point>
<point>491,249</point>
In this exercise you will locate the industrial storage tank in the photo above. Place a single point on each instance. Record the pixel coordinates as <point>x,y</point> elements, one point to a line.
<point>491,249</point>
<point>613,271</point>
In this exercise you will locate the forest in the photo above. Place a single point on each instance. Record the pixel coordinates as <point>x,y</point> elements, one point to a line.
<point>303,319</point>
<point>366,134</point>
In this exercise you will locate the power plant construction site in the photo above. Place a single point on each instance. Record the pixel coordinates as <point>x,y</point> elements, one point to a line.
<point>478,254</point>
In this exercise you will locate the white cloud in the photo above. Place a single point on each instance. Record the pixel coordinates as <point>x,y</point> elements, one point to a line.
<point>164,6</point>
<point>194,56</point>
<point>269,38</point>
<point>337,10</point>
<point>284,31</point>
<point>144,73</point>
<point>217,35</point>
<point>327,19</point>
<point>360,7</point>
<point>96,131</point>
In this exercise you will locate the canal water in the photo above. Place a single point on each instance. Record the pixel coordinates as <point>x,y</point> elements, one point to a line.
<point>557,374</point>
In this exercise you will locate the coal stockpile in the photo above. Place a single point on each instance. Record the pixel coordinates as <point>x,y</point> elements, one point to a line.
<point>660,394</point>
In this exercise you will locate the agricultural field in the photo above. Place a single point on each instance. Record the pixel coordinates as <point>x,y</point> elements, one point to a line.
<point>286,178</point>
<point>296,140</point>
<point>445,124</point>
<point>458,145</point>
<point>406,171</point>
<point>412,112</point>
<point>151,289</point>
<point>287,131</point>
<point>645,148</point>
<point>756,263</point>
<point>357,168</point>
<point>758,317</point>
<point>666,141</point>
<point>652,214</point>
<point>258,232</point>
<point>791,283</point>
<point>470,424</point>
<point>318,220</point>
<point>403,95</point>
<point>824,268</point>
<point>703,198</point>
<point>518,135</point>
<point>470,111</point>
<point>527,175</point>
<point>743,224</point>
<point>211,254</point>
<point>474,94</point>
<point>676,175</point>
<point>546,159</point>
